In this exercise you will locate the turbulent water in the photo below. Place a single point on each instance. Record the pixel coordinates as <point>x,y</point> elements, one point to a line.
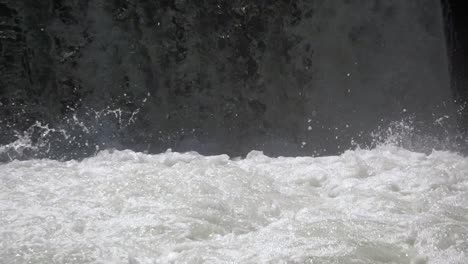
<point>386,205</point>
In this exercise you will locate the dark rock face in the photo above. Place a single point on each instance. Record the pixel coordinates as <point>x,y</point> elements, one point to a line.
<point>286,77</point>
<point>457,35</point>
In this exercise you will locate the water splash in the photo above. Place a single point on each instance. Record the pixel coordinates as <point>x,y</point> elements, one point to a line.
<point>422,137</point>
<point>79,133</point>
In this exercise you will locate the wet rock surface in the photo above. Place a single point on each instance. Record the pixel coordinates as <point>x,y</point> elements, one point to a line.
<point>456,23</point>
<point>286,77</point>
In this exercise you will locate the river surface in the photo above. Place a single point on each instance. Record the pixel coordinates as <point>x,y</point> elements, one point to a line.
<point>385,205</point>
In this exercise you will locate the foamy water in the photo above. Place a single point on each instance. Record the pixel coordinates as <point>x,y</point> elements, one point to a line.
<point>386,205</point>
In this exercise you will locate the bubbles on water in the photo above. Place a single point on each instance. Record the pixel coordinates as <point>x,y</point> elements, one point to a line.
<point>386,205</point>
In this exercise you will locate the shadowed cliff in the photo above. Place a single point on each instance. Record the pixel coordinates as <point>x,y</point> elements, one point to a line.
<point>286,77</point>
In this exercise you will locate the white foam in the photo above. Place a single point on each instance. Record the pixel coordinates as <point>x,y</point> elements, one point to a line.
<point>386,205</point>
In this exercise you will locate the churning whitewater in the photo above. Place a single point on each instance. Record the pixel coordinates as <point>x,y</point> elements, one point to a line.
<point>386,205</point>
